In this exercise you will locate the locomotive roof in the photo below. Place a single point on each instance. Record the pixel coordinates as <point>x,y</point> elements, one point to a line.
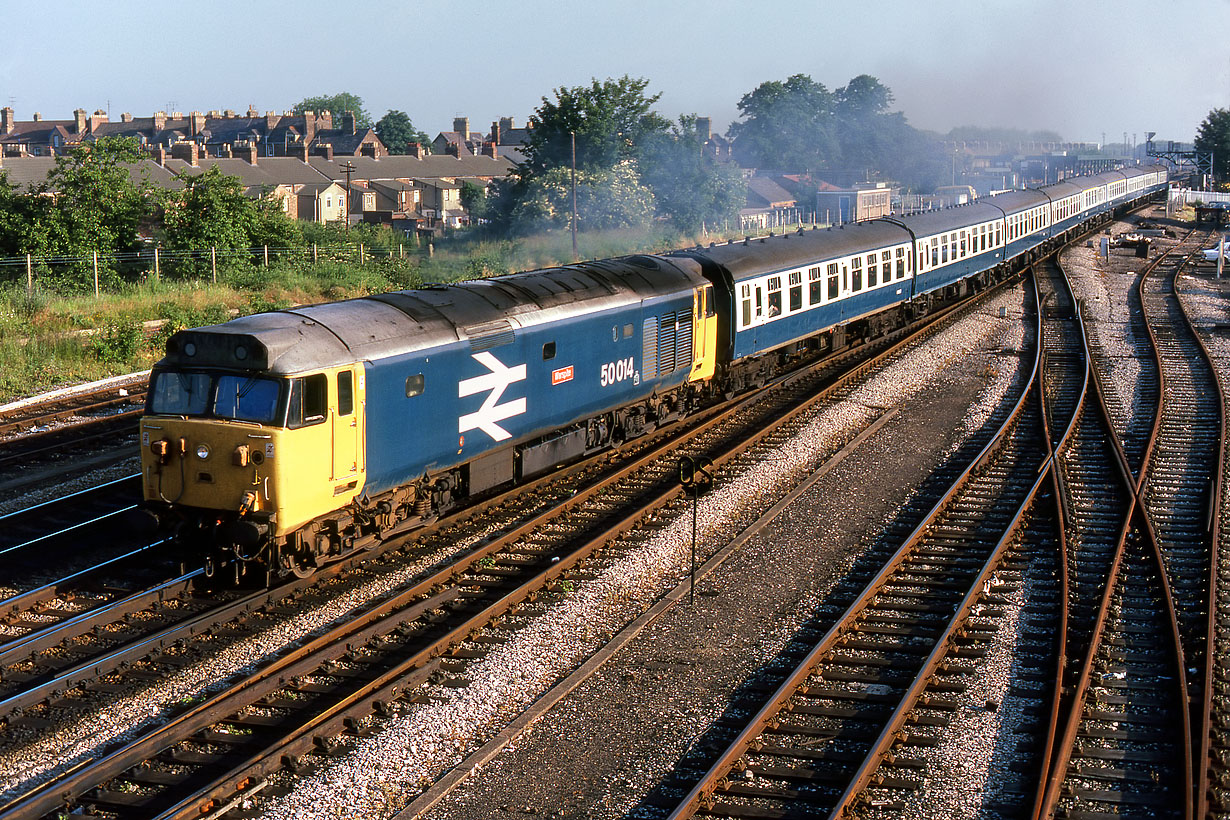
<point>755,257</point>
<point>390,324</point>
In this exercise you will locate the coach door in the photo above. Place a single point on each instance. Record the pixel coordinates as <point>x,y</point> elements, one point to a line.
<point>345,427</point>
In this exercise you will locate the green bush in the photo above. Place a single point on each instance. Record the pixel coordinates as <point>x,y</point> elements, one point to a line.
<point>117,342</point>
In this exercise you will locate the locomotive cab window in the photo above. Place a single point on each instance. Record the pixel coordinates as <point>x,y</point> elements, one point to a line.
<point>414,385</point>
<point>548,351</point>
<point>309,401</point>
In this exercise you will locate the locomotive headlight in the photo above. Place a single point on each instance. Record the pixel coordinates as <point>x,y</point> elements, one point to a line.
<point>202,451</point>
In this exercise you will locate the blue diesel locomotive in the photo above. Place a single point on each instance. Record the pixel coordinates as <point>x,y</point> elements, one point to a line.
<point>274,443</point>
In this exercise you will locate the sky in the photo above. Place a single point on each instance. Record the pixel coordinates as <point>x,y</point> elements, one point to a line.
<point>1080,68</point>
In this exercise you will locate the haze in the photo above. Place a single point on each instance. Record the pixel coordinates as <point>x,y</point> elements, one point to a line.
<point>1082,69</point>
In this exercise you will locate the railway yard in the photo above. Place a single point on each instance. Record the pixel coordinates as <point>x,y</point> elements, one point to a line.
<point>969,570</point>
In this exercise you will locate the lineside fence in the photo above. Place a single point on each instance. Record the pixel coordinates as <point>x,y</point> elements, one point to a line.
<point>154,262</point>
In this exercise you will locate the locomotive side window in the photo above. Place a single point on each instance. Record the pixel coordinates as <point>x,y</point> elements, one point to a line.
<point>345,393</point>
<point>414,385</point>
<point>628,331</point>
<point>548,351</point>
<point>309,401</point>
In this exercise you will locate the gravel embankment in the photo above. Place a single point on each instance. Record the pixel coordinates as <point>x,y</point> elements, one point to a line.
<point>762,595</point>
<point>600,751</point>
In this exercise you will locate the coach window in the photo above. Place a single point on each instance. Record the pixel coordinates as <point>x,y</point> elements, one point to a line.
<point>746,293</point>
<point>964,245</point>
<point>548,351</point>
<point>999,238</point>
<point>944,248</point>
<point>796,290</point>
<point>345,393</point>
<point>872,270</point>
<point>815,286</point>
<point>775,296</point>
<point>886,260</point>
<point>834,292</point>
<point>952,245</point>
<point>414,385</point>
<point>935,251</point>
<point>900,263</point>
<point>856,274</point>
<point>309,401</point>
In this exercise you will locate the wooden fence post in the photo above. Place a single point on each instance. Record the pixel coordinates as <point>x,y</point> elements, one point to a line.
<point>313,253</point>
<point>213,261</point>
<point>266,255</point>
<point>29,275</point>
<point>95,274</point>
<point>157,273</point>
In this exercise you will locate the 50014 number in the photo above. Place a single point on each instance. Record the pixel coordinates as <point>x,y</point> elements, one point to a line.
<point>616,371</point>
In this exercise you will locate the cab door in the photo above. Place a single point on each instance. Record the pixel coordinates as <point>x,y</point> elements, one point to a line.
<point>345,426</point>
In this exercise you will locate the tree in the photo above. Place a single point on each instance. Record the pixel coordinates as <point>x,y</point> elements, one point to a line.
<point>474,200</point>
<point>612,120</point>
<point>690,186</point>
<point>864,96</point>
<point>396,132</point>
<point>612,198</point>
<point>337,104</point>
<point>787,125</point>
<point>1214,135</point>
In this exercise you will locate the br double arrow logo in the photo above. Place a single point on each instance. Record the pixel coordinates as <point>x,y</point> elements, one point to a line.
<point>486,418</point>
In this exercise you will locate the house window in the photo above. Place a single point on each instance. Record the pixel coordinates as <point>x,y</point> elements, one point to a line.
<point>328,202</point>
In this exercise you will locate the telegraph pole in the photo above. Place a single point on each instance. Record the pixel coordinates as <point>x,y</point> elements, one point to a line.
<point>574,195</point>
<point>347,168</point>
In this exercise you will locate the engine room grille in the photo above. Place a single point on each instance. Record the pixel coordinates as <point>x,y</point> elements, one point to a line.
<point>649,348</point>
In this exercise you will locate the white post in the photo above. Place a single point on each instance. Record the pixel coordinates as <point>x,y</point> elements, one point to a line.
<point>95,274</point>
<point>266,255</point>
<point>29,274</point>
<point>213,261</point>
<point>156,272</point>
<point>313,253</point>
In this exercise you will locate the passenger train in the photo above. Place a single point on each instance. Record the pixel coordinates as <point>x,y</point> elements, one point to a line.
<point>277,442</point>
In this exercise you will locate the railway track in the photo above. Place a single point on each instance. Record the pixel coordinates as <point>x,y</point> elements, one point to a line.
<point>842,724</point>
<point>59,431</point>
<point>1119,735</point>
<point>407,632</point>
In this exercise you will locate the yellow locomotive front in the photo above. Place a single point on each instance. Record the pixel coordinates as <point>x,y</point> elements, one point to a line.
<point>237,462</point>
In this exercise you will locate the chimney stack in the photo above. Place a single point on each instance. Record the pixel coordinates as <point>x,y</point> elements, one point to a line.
<point>299,151</point>
<point>98,118</point>
<point>348,126</point>
<point>453,150</point>
<point>309,126</point>
<point>160,121</point>
<point>704,127</point>
<point>462,126</point>
<point>248,153</point>
<point>495,133</point>
<point>186,151</point>
<point>38,117</point>
<point>79,121</point>
<point>7,123</point>
<point>271,120</point>
<point>125,117</point>
<point>489,150</point>
<point>198,123</point>
<point>414,149</point>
